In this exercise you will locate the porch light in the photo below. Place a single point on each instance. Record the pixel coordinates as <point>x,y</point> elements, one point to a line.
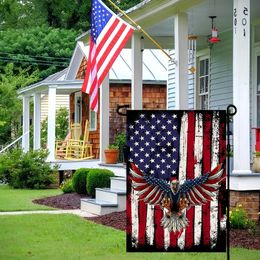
<point>214,31</point>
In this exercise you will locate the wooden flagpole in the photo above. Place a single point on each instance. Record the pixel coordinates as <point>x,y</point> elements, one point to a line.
<point>143,31</point>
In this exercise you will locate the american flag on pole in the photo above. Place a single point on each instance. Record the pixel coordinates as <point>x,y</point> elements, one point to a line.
<point>176,157</point>
<point>108,36</point>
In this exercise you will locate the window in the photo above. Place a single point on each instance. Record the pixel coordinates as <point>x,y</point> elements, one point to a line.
<point>203,84</point>
<point>92,120</point>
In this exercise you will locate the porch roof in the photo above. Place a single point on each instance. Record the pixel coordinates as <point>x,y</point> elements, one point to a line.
<point>155,65</point>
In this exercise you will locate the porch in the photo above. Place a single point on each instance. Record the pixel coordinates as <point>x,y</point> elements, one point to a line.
<point>119,169</point>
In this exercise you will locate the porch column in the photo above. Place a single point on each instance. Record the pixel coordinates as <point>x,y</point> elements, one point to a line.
<point>51,122</point>
<point>241,85</point>
<point>104,117</point>
<point>137,72</point>
<point>181,55</point>
<point>37,122</point>
<point>26,124</point>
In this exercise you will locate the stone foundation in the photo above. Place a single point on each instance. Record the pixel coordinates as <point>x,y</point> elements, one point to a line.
<point>249,201</point>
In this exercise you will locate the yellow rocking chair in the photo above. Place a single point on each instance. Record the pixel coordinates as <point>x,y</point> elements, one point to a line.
<point>80,149</point>
<point>61,145</point>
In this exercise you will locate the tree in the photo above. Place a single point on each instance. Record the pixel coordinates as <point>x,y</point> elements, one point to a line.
<point>43,48</point>
<point>10,104</point>
<point>67,14</point>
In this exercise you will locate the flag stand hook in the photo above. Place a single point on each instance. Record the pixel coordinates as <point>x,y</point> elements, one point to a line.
<point>119,112</point>
<point>230,112</point>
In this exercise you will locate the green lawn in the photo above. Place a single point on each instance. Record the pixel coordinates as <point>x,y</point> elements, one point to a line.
<point>21,199</point>
<point>70,237</point>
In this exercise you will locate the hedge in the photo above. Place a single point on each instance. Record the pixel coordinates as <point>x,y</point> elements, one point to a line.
<point>79,180</point>
<point>98,178</point>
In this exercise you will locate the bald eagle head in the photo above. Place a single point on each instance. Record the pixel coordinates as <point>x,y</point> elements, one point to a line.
<point>175,186</point>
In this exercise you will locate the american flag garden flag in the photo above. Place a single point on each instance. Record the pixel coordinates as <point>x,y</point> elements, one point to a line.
<point>108,36</point>
<point>176,191</point>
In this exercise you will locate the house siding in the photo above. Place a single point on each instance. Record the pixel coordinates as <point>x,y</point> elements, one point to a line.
<point>154,97</point>
<point>171,84</point>
<point>61,101</point>
<point>221,73</point>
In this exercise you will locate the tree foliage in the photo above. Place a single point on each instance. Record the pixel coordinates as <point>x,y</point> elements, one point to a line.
<point>66,14</point>
<point>10,104</point>
<point>43,48</point>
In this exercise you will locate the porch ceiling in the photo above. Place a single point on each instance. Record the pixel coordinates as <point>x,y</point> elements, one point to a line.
<point>161,26</point>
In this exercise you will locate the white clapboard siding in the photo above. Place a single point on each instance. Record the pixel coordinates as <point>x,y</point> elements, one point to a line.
<point>61,101</point>
<point>171,84</point>
<point>221,78</point>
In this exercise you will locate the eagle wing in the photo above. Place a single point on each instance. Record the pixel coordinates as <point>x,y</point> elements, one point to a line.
<point>201,189</point>
<point>149,189</point>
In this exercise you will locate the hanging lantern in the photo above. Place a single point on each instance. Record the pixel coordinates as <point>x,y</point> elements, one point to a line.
<point>214,31</point>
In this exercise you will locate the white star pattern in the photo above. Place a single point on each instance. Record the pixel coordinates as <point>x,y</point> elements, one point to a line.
<point>155,142</point>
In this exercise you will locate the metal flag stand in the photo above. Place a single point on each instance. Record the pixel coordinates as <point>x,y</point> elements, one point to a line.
<point>230,112</point>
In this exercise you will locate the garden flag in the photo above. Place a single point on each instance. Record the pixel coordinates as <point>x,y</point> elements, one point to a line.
<point>176,181</point>
<point>108,36</point>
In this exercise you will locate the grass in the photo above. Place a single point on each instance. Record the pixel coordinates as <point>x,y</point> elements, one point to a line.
<point>21,199</point>
<point>70,237</point>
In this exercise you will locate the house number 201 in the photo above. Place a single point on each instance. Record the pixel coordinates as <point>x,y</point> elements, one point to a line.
<point>244,18</point>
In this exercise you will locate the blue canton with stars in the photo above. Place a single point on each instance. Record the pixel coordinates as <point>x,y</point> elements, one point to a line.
<point>153,139</point>
<point>99,18</point>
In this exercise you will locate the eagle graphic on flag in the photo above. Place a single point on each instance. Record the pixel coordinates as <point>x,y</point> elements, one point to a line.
<point>174,198</point>
<point>176,181</point>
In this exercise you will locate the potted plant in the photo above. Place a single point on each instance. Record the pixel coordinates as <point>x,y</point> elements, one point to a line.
<point>111,154</point>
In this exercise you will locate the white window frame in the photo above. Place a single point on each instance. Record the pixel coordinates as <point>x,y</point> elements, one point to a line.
<point>203,55</point>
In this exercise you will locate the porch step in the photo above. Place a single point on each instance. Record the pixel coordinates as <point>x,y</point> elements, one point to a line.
<point>107,200</point>
<point>97,207</point>
<point>118,183</point>
<point>114,196</point>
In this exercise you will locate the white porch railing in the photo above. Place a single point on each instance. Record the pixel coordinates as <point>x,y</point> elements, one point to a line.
<point>14,142</point>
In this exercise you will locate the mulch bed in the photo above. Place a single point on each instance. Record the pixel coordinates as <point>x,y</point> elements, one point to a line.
<point>63,201</point>
<point>238,238</point>
<point>116,220</point>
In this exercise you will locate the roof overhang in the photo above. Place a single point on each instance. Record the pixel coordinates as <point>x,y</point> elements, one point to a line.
<point>62,87</point>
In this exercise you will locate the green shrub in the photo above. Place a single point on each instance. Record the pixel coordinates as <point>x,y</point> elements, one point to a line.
<point>8,163</point>
<point>26,170</point>
<point>239,219</point>
<point>79,180</point>
<point>66,186</point>
<point>98,178</point>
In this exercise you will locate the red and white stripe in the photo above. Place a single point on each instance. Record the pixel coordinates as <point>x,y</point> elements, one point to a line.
<point>102,55</point>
